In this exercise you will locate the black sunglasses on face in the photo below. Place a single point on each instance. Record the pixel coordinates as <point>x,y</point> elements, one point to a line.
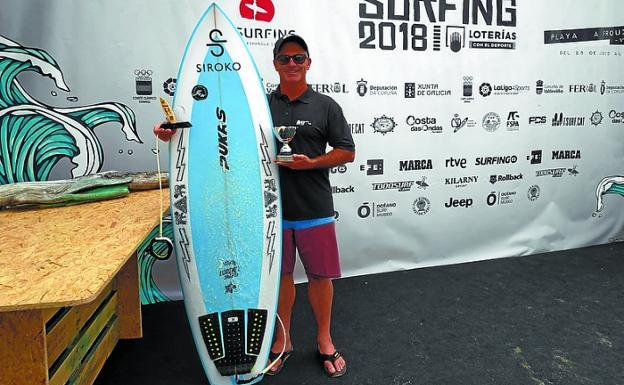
<point>285,59</point>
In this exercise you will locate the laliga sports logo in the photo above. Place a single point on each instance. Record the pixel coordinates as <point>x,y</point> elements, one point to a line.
<point>259,10</point>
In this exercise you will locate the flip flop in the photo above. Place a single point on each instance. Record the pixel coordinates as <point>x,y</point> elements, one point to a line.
<point>275,356</point>
<point>332,358</point>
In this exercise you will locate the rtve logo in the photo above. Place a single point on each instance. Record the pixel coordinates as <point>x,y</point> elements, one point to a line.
<point>259,10</point>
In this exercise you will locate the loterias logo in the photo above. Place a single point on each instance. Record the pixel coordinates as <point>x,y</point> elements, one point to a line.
<point>419,25</point>
<point>259,10</point>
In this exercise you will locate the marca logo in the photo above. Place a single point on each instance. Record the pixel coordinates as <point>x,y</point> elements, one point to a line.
<point>566,154</point>
<point>259,10</point>
<point>416,164</point>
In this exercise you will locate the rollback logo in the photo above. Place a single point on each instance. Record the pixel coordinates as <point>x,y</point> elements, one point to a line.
<point>505,178</point>
<point>343,190</point>
<point>259,10</point>
<point>422,25</point>
<point>216,49</point>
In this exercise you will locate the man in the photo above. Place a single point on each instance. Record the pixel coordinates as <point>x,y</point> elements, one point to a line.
<point>307,204</point>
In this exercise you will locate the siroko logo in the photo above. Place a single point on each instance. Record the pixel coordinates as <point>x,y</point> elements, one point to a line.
<point>259,10</point>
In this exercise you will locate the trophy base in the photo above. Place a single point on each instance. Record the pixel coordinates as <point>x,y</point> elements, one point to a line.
<point>285,158</point>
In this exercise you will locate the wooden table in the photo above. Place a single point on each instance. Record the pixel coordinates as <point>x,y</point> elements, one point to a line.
<point>69,287</point>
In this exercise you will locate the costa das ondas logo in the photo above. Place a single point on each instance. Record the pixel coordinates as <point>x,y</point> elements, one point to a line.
<point>262,32</point>
<point>427,25</point>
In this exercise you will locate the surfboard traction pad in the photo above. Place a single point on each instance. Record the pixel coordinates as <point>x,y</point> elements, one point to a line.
<point>228,351</point>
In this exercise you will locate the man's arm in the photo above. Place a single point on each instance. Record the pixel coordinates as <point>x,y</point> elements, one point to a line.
<point>333,158</point>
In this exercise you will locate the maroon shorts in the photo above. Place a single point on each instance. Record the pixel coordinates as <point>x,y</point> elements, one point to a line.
<point>318,251</point>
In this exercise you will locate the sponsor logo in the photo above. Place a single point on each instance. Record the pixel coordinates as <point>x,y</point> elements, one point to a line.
<point>615,35</point>
<point>330,88</point>
<point>217,50</point>
<point>373,209</point>
<point>559,120</point>
<point>616,117</point>
<point>491,121</point>
<point>421,206</point>
<point>422,184</point>
<point>259,10</point>
<point>596,118</point>
<point>223,139</point>
<point>143,85</point>
<point>415,165</point>
<point>465,203</point>
<point>410,90</point>
<point>610,89</point>
<point>467,90</point>
<point>400,186</point>
<point>423,124</point>
<point>535,157</point>
<point>169,86</point>
<point>533,193</point>
<point>376,90</point>
<point>373,167</point>
<point>419,26</point>
<point>513,123</point>
<point>343,190</point>
<point>557,172</point>
<point>431,89</point>
<point>500,198</point>
<point>487,89</point>
<point>582,88</point>
<point>461,181</point>
<point>199,92</point>
<point>566,154</point>
<point>455,162</point>
<point>383,125</point>
<point>541,88</point>
<point>356,128</point>
<point>458,123</point>
<point>338,169</point>
<point>505,178</point>
<point>495,160</point>
<point>537,120</point>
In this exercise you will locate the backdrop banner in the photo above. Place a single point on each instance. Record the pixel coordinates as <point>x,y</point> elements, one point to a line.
<point>483,128</point>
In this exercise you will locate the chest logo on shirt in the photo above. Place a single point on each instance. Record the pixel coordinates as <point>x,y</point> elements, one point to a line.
<point>223,139</point>
<point>302,123</point>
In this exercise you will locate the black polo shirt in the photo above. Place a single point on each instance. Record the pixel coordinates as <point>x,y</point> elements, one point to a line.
<point>306,194</point>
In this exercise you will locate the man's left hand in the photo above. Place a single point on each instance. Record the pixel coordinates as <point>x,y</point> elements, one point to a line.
<point>300,162</point>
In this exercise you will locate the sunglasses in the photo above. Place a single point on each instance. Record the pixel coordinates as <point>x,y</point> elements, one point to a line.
<point>285,59</point>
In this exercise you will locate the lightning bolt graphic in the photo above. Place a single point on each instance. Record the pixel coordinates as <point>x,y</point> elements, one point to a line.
<point>270,236</point>
<point>180,165</point>
<point>266,159</point>
<point>184,243</point>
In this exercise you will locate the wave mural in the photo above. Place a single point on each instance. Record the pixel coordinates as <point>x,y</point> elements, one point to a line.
<point>613,184</point>
<point>35,136</point>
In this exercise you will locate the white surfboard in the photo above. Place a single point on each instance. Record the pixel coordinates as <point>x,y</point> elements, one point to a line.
<point>225,202</point>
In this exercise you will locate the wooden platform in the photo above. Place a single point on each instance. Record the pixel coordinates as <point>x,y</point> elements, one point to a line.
<point>69,287</point>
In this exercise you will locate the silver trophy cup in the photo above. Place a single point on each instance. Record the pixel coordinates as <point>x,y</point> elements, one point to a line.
<point>285,134</point>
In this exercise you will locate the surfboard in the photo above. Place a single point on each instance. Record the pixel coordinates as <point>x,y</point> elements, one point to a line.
<point>225,202</point>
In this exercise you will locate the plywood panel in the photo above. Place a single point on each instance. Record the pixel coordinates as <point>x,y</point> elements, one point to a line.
<point>62,256</point>
<point>129,304</point>
<point>22,348</point>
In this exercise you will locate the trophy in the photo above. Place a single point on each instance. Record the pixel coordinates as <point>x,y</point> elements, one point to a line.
<point>285,134</point>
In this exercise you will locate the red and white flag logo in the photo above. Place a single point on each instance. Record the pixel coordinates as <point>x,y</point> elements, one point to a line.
<point>260,10</point>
